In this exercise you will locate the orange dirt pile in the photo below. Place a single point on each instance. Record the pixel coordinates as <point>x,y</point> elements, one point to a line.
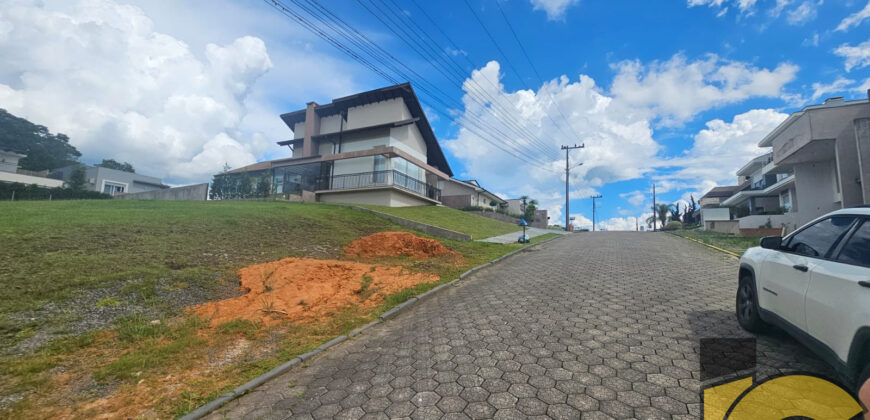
<point>300,288</point>
<point>392,244</point>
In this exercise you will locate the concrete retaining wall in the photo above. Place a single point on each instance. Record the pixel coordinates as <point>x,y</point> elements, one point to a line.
<point>196,192</point>
<point>731,227</point>
<point>432,230</point>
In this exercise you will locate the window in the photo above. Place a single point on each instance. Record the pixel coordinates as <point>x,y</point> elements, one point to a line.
<point>857,250</point>
<point>819,238</point>
<point>112,189</point>
<point>785,200</point>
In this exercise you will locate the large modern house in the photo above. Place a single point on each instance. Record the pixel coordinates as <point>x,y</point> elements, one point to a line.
<point>374,147</point>
<point>819,162</point>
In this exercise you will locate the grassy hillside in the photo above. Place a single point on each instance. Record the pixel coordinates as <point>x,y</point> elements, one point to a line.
<point>93,296</point>
<point>733,243</point>
<point>478,227</point>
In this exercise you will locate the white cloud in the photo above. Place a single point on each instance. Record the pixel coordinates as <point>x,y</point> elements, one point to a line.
<point>624,223</point>
<point>720,150</point>
<point>743,5</point>
<point>635,198</point>
<point>839,85</point>
<point>857,56</point>
<point>812,41</point>
<point>555,9</point>
<point>677,89</point>
<point>102,75</point>
<point>779,7</point>
<point>608,134</point>
<point>804,13</point>
<point>854,19</point>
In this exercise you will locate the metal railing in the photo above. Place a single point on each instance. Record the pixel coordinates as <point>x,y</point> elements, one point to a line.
<point>379,179</point>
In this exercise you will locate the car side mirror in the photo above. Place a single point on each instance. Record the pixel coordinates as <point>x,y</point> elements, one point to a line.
<point>771,242</point>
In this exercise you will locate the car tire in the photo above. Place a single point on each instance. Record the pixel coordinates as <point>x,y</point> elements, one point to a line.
<point>747,309</point>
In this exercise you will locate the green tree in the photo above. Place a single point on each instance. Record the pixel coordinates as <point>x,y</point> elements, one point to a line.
<point>44,150</point>
<point>77,179</point>
<point>660,212</point>
<point>529,213</point>
<point>220,184</point>
<point>675,213</point>
<point>114,164</point>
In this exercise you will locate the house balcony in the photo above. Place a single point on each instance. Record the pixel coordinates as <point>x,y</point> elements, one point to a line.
<point>378,179</point>
<point>759,189</point>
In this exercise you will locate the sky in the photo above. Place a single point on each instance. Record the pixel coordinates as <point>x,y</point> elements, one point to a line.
<point>675,94</point>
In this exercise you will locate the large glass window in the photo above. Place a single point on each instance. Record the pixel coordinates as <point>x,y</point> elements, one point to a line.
<point>818,239</point>
<point>293,179</point>
<point>857,250</point>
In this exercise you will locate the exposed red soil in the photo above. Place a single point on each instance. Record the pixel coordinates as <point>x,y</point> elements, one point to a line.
<point>393,244</point>
<point>306,288</point>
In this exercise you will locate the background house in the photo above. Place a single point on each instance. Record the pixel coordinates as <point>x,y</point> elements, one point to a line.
<point>111,181</point>
<point>10,172</point>
<point>374,147</point>
<point>460,194</point>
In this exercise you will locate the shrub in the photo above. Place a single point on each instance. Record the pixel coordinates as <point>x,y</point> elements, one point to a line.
<point>673,225</point>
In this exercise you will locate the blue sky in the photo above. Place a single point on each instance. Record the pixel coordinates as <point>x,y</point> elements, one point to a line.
<point>669,92</point>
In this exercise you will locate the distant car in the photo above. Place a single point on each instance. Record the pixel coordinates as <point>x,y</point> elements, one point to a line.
<point>815,284</point>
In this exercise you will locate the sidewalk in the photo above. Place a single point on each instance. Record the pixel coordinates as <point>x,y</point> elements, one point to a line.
<point>512,237</point>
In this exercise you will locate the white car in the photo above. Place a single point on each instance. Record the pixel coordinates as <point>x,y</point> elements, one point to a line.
<point>815,284</point>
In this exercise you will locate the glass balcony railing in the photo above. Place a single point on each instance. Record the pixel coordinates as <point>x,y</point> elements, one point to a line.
<point>379,179</point>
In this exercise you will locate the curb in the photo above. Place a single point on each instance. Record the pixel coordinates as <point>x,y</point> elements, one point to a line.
<point>243,389</point>
<point>733,254</point>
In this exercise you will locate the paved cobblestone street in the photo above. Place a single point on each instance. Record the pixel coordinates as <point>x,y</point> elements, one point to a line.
<point>598,325</point>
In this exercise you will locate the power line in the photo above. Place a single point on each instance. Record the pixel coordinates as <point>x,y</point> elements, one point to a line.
<point>383,56</point>
<point>509,62</point>
<point>534,69</point>
<point>287,11</point>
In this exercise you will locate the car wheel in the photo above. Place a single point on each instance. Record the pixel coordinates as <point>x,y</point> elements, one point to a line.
<point>747,306</point>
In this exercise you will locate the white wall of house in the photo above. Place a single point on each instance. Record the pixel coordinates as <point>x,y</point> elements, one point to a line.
<point>815,188</point>
<point>9,161</point>
<point>789,220</point>
<point>27,179</point>
<point>714,214</point>
<point>299,130</point>
<point>383,197</point>
<point>391,110</point>
<point>331,124</point>
<point>408,139</point>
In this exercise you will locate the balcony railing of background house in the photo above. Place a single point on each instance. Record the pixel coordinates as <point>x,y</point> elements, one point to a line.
<point>379,179</point>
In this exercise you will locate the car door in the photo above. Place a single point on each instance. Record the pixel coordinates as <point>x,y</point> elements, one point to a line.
<point>838,298</point>
<point>785,275</point>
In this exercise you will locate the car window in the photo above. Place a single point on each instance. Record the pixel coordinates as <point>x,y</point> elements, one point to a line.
<point>857,250</point>
<point>817,239</point>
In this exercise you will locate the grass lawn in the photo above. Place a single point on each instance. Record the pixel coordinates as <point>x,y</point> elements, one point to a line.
<point>478,227</point>
<point>733,243</point>
<point>93,297</point>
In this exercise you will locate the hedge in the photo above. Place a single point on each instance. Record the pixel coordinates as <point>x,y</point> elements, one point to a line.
<point>35,192</point>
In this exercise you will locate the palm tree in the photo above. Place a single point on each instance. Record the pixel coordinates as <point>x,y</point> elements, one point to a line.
<point>660,212</point>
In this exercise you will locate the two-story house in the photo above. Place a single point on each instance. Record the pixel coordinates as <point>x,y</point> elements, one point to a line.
<point>819,162</point>
<point>374,147</point>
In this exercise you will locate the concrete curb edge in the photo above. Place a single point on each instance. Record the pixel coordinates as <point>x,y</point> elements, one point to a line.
<point>219,402</point>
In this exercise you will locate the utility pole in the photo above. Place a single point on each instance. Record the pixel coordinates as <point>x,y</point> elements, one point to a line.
<point>567,178</point>
<point>593,209</point>
<point>654,207</point>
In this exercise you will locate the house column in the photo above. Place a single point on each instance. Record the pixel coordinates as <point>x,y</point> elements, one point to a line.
<point>862,138</point>
<point>312,128</point>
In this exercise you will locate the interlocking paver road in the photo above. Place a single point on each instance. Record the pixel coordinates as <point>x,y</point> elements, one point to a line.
<point>595,324</point>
